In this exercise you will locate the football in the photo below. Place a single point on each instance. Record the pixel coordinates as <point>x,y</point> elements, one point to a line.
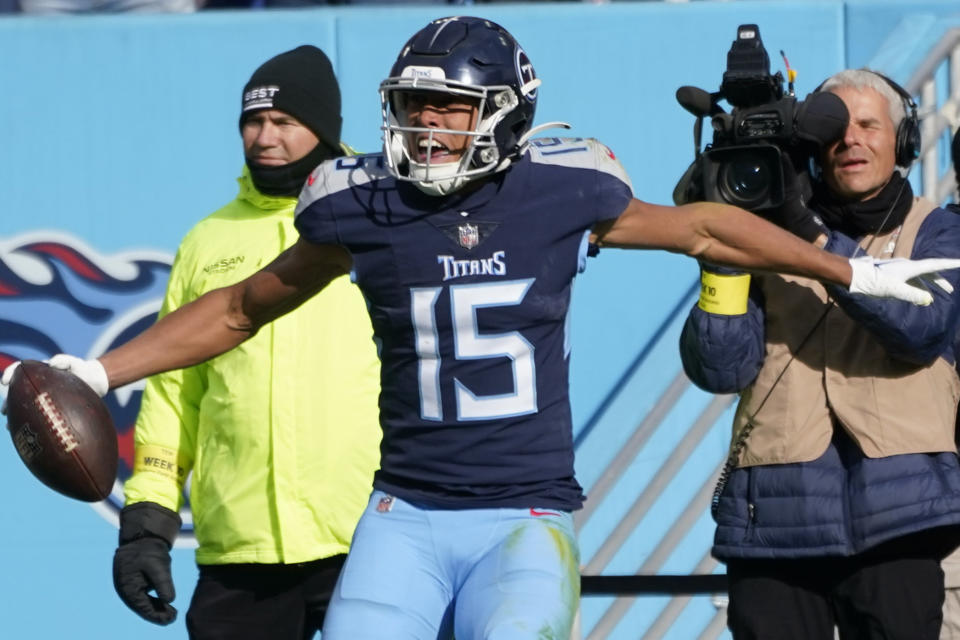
<point>62,431</point>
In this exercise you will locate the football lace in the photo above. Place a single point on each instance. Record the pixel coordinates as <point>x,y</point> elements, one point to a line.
<point>56,422</point>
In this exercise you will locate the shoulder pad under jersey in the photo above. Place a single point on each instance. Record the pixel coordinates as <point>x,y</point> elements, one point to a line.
<point>586,153</point>
<point>340,174</point>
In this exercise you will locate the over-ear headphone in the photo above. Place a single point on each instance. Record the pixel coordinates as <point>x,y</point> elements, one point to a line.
<point>907,145</point>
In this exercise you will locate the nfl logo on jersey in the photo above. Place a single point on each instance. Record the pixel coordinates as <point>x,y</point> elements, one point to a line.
<point>469,235</point>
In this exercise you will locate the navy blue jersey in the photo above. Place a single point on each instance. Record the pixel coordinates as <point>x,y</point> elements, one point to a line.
<point>469,295</point>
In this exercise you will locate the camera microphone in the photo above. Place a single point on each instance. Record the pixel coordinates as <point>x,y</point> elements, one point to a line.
<point>822,118</point>
<point>697,101</point>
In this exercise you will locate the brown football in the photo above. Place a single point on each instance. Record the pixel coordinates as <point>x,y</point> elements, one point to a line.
<point>62,431</point>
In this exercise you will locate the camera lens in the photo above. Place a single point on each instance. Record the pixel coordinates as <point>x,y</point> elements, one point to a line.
<point>745,181</point>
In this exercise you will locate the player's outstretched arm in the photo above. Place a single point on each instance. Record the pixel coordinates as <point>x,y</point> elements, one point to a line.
<point>721,234</point>
<point>727,235</point>
<point>223,318</point>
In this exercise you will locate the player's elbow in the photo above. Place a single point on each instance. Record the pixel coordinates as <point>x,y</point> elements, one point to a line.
<point>239,317</point>
<point>700,248</point>
<point>695,238</point>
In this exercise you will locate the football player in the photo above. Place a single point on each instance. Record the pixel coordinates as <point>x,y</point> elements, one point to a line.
<point>465,235</point>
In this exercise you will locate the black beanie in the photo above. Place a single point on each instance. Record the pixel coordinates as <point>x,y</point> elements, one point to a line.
<point>300,82</point>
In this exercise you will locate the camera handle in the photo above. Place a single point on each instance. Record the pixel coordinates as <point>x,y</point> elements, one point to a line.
<point>700,103</point>
<point>697,136</point>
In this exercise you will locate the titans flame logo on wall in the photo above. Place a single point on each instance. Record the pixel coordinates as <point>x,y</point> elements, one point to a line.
<point>58,295</point>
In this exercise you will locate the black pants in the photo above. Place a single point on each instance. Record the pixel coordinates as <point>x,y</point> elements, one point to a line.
<point>262,601</point>
<point>881,595</point>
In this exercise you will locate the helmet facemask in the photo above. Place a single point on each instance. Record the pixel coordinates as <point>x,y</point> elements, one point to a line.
<point>480,157</point>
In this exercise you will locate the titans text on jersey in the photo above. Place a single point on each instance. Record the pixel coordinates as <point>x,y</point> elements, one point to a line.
<point>469,296</point>
<point>457,268</point>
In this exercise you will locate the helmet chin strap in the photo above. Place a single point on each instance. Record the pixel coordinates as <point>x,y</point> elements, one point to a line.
<point>443,179</point>
<point>441,185</point>
<point>438,179</point>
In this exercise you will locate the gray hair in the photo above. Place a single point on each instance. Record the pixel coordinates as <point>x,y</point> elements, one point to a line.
<point>861,79</point>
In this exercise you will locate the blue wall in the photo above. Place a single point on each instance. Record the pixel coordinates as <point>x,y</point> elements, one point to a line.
<point>121,131</point>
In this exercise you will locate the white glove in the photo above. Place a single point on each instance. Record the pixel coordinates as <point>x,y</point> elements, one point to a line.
<point>892,278</point>
<point>90,371</point>
<point>8,373</point>
<point>5,381</point>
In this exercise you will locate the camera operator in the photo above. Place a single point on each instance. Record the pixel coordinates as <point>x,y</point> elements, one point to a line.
<point>841,494</point>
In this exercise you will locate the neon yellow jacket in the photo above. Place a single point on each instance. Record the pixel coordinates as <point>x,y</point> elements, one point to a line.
<point>281,434</point>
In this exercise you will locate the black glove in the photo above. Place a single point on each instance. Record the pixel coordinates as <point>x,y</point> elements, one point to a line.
<point>142,561</point>
<point>793,215</point>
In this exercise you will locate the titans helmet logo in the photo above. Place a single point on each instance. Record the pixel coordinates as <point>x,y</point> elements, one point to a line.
<point>58,295</point>
<point>525,72</point>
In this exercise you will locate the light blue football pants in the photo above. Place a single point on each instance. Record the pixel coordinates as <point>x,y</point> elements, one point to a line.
<point>431,574</point>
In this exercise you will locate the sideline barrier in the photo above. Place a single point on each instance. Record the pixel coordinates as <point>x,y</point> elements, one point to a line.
<point>653,585</point>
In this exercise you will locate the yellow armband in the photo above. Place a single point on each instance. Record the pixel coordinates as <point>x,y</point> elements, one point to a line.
<point>159,459</point>
<point>722,294</point>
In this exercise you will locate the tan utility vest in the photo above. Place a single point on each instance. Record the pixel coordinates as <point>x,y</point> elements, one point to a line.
<point>841,373</point>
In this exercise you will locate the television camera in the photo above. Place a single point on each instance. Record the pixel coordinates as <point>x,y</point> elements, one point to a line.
<point>766,133</point>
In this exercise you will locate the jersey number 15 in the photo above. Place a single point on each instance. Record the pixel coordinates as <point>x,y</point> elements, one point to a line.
<point>470,344</point>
